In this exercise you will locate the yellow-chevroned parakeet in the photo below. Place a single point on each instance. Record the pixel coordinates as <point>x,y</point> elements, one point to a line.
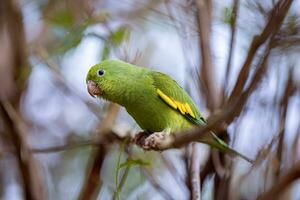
<point>153,99</point>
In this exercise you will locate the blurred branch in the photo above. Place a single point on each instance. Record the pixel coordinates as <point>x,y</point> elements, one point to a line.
<point>282,184</point>
<point>277,16</point>
<point>233,27</point>
<point>216,159</point>
<point>288,92</point>
<point>257,77</point>
<point>296,144</point>
<point>195,173</point>
<point>204,23</point>
<point>206,170</point>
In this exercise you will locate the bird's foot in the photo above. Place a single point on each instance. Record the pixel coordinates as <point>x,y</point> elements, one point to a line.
<point>139,139</point>
<point>153,141</point>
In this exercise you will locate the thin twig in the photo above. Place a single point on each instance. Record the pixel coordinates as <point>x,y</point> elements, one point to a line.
<point>288,92</point>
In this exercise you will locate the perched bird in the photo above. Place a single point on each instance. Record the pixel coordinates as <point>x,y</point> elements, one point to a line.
<point>155,101</point>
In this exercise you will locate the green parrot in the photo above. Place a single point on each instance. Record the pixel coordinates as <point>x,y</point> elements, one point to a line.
<point>155,101</point>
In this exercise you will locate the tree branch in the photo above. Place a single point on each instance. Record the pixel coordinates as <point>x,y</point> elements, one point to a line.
<point>204,24</point>
<point>233,27</point>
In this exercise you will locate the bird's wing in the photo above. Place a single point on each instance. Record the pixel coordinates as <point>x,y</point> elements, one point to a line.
<point>176,97</point>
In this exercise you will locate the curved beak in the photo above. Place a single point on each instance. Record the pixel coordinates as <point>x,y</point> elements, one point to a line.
<point>93,89</point>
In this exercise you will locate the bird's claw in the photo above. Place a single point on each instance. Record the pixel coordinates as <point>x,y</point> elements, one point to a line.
<point>140,138</point>
<point>153,141</point>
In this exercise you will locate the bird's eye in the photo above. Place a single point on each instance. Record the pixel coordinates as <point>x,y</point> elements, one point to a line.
<point>101,72</point>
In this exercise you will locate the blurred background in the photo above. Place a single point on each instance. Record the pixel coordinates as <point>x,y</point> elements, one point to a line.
<point>236,57</point>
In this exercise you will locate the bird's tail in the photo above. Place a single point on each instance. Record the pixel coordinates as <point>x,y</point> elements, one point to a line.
<point>219,144</point>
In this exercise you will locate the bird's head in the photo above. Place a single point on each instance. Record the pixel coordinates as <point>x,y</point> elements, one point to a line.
<point>110,79</point>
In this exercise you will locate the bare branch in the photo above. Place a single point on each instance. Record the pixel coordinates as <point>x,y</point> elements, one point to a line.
<point>204,23</point>
<point>289,90</point>
<point>233,27</point>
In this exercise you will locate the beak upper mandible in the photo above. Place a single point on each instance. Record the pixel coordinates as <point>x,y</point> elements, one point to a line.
<point>93,89</point>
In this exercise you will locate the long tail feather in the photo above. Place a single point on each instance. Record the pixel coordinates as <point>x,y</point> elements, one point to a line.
<point>218,143</point>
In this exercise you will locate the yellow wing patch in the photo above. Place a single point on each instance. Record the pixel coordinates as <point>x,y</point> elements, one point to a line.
<point>184,108</point>
<point>189,110</point>
<point>167,99</point>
